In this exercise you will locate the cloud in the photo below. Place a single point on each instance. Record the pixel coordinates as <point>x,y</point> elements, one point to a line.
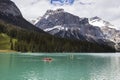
<point>108,10</point>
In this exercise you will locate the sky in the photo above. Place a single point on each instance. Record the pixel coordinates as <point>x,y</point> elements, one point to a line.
<point>108,10</point>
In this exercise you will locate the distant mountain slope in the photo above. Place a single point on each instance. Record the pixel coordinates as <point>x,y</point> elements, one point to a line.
<point>66,25</point>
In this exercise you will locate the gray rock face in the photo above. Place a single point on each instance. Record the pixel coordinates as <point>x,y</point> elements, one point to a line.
<point>9,8</point>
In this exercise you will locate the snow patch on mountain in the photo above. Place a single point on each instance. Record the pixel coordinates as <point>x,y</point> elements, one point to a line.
<point>59,27</point>
<point>96,21</point>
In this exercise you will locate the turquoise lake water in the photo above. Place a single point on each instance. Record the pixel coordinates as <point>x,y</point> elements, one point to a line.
<point>62,67</point>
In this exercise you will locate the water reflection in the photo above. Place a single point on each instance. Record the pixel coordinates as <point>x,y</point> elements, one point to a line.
<point>115,68</point>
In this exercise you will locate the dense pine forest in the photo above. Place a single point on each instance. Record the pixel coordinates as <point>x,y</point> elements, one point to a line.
<point>24,40</point>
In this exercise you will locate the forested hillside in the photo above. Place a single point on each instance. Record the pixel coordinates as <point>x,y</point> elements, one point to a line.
<point>24,40</point>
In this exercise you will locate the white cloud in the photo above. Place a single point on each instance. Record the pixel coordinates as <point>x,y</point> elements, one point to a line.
<point>108,10</point>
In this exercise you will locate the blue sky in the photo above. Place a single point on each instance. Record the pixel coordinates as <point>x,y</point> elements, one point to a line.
<point>108,10</point>
<point>62,1</point>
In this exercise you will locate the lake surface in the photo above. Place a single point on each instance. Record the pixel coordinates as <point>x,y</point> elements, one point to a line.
<point>62,67</point>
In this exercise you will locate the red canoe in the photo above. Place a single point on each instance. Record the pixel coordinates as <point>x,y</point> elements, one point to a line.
<point>47,59</point>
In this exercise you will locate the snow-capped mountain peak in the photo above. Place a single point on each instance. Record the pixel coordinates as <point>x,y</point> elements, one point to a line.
<point>96,21</point>
<point>46,15</point>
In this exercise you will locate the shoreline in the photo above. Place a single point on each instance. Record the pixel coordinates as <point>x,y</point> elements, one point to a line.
<point>6,51</point>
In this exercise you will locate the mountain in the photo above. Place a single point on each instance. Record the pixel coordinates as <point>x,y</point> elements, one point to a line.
<point>11,14</point>
<point>66,25</point>
<point>60,23</point>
